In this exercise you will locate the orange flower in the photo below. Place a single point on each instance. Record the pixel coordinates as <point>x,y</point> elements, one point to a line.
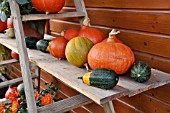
<point>2,107</point>
<point>15,106</point>
<point>47,99</point>
<point>36,95</point>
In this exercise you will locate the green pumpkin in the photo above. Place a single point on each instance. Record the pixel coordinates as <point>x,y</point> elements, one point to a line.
<point>42,45</point>
<point>20,89</point>
<point>77,50</point>
<point>141,72</point>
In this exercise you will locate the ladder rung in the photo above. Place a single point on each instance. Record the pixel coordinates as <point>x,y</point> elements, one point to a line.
<point>49,16</point>
<point>65,105</point>
<point>5,62</point>
<point>13,81</point>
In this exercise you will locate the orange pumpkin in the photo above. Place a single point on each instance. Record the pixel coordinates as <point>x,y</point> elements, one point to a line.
<point>3,26</point>
<point>116,56</point>
<point>14,55</point>
<point>93,34</point>
<point>70,33</point>
<point>48,6</point>
<point>10,22</point>
<point>57,47</point>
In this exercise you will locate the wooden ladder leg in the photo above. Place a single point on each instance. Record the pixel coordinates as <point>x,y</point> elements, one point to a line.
<point>37,80</point>
<point>108,107</point>
<point>24,61</point>
<point>80,7</point>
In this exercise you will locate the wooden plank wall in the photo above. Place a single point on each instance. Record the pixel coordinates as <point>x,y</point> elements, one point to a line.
<point>144,26</point>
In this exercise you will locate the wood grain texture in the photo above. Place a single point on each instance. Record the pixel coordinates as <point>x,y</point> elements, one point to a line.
<point>161,93</point>
<point>49,16</point>
<point>147,104</point>
<point>67,73</point>
<point>139,4</point>
<point>155,21</point>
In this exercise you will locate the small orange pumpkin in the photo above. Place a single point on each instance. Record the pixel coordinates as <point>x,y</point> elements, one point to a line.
<point>10,22</point>
<point>116,56</point>
<point>93,34</point>
<point>57,47</point>
<point>70,33</point>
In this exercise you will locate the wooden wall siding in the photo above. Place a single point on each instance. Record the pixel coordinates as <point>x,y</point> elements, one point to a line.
<point>137,4</point>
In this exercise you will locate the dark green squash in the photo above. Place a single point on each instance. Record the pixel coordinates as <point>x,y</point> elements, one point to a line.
<point>31,42</point>
<point>101,78</point>
<point>20,89</point>
<point>141,71</point>
<point>42,45</point>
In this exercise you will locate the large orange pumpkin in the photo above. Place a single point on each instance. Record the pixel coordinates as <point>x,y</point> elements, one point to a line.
<point>116,56</point>
<point>57,47</point>
<point>48,6</point>
<point>93,34</point>
<point>3,26</point>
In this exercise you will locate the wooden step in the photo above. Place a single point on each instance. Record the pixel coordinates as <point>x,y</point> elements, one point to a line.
<point>65,105</point>
<point>49,16</point>
<point>13,81</point>
<point>5,62</point>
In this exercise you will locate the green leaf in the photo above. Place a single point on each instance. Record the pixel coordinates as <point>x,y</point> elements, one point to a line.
<point>41,29</point>
<point>3,17</point>
<point>33,26</point>
<point>22,2</point>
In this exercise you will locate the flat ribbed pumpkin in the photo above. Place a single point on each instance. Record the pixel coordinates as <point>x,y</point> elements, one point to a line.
<point>48,6</point>
<point>115,56</point>
<point>77,50</point>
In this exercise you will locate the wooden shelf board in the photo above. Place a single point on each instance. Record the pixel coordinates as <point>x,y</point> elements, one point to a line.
<point>13,81</point>
<point>65,105</point>
<point>68,74</point>
<point>50,16</point>
<point>8,62</point>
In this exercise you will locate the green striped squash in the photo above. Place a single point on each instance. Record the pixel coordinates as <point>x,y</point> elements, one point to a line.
<point>141,71</point>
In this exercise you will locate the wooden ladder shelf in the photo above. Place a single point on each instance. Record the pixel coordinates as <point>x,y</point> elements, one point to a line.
<point>60,106</point>
<point>66,72</point>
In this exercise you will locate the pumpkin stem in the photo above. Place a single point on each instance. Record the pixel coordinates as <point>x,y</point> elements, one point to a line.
<point>86,22</point>
<point>79,77</point>
<point>46,13</point>
<point>87,67</point>
<point>113,33</point>
<point>62,32</point>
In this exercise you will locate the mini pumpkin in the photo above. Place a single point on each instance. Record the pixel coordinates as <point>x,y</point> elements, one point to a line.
<point>93,34</point>
<point>57,47</point>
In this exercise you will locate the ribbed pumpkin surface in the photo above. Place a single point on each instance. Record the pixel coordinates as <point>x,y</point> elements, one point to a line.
<point>77,50</point>
<point>115,56</point>
<point>48,6</point>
